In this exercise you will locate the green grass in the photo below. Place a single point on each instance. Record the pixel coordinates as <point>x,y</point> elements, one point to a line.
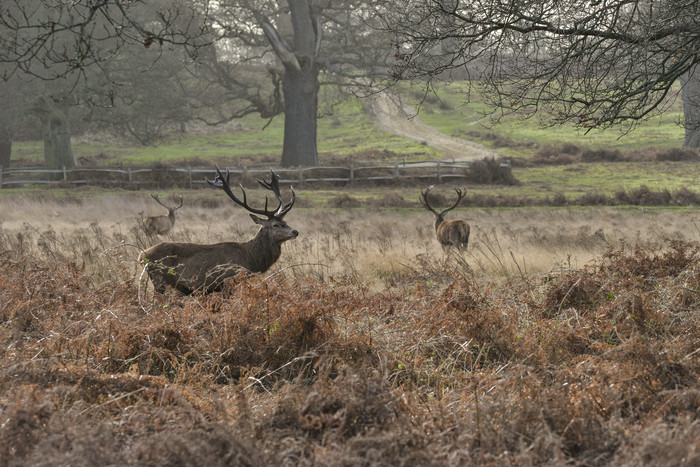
<point>606,177</point>
<point>451,114</point>
<point>349,133</point>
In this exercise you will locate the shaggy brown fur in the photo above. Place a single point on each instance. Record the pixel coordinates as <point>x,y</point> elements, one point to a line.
<point>192,266</point>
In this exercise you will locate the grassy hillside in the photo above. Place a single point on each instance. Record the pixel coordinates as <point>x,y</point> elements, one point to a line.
<point>349,133</point>
<point>449,111</point>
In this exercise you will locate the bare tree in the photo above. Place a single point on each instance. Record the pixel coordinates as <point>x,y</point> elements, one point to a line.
<point>452,233</point>
<point>53,114</point>
<point>13,106</point>
<point>294,47</point>
<point>270,57</point>
<point>62,44</point>
<point>592,63</point>
<point>190,266</point>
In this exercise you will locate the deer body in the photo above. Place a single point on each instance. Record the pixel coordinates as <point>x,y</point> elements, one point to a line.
<point>159,224</point>
<point>190,266</point>
<point>452,233</point>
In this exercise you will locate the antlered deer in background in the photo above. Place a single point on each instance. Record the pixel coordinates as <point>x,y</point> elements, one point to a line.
<point>453,233</point>
<point>161,224</point>
<point>191,266</point>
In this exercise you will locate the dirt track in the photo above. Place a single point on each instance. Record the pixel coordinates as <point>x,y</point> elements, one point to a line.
<point>395,117</point>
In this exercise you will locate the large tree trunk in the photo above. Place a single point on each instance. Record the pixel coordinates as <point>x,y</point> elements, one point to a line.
<point>300,82</point>
<point>301,103</point>
<point>5,148</point>
<point>58,150</point>
<point>691,107</point>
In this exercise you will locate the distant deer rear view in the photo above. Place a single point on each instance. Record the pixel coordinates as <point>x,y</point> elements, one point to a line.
<point>452,233</point>
<point>160,225</point>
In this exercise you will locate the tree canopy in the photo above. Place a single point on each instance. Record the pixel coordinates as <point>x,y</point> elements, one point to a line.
<point>242,56</point>
<point>593,63</point>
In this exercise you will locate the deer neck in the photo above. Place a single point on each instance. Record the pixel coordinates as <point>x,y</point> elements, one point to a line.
<point>171,217</point>
<point>265,251</point>
<point>438,220</point>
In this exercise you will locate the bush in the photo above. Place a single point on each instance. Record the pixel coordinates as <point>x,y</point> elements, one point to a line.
<point>490,171</point>
<point>344,201</point>
<point>601,155</point>
<point>679,154</point>
<point>392,200</point>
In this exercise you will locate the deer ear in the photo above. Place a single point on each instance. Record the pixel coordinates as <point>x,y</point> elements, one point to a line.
<point>257,219</point>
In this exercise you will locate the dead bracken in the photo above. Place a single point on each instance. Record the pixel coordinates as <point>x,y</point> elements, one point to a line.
<point>589,365</point>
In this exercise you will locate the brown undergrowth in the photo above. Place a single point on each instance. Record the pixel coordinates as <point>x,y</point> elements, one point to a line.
<point>591,366</point>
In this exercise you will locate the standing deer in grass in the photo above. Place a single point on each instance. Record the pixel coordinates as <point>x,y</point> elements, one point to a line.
<point>190,266</point>
<point>161,224</point>
<point>453,233</point>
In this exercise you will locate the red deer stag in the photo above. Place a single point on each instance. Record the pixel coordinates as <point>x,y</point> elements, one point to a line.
<point>161,224</point>
<point>449,233</point>
<point>190,266</point>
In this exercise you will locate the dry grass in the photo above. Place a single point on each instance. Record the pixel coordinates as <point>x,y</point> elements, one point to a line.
<point>560,337</point>
<point>366,244</point>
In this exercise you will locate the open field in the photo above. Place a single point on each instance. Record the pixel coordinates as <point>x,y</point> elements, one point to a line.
<point>245,141</point>
<point>565,335</point>
<point>540,159</point>
<point>367,242</point>
<point>561,336</point>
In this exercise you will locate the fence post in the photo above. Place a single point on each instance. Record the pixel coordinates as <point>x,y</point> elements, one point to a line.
<point>128,174</point>
<point>301,177</point>
<point>352,174</point>
<point>189,174</point>
<point>2,169</point>
<point>439,176</point>
<point>396,170</point>
<point>65,175</point>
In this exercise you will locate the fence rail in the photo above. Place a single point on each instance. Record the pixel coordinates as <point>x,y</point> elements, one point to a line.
<point>360,171</point>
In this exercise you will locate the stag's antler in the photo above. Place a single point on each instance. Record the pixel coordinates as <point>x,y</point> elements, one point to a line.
<point>272,185</point>
<point>155,197</point>
<point>424,200</point>
<point>426,204</point>
<point>460,195</point>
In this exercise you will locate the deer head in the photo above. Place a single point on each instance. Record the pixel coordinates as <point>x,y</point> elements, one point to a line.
<point>439,216</point>
<point>171,211</point>
<point>274,218</point>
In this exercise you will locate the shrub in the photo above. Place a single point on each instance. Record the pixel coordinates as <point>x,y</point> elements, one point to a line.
<point>601,155</point>
<point>490,171</point>
<point>343,201</point>
<point>678,154</point>
<point>392,200</point>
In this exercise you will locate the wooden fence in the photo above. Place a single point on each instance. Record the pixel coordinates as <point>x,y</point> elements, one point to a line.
<point>361,171</point>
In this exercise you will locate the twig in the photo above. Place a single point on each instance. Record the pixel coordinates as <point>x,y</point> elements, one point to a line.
<point>294,266</point>
<point>114,400</point>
